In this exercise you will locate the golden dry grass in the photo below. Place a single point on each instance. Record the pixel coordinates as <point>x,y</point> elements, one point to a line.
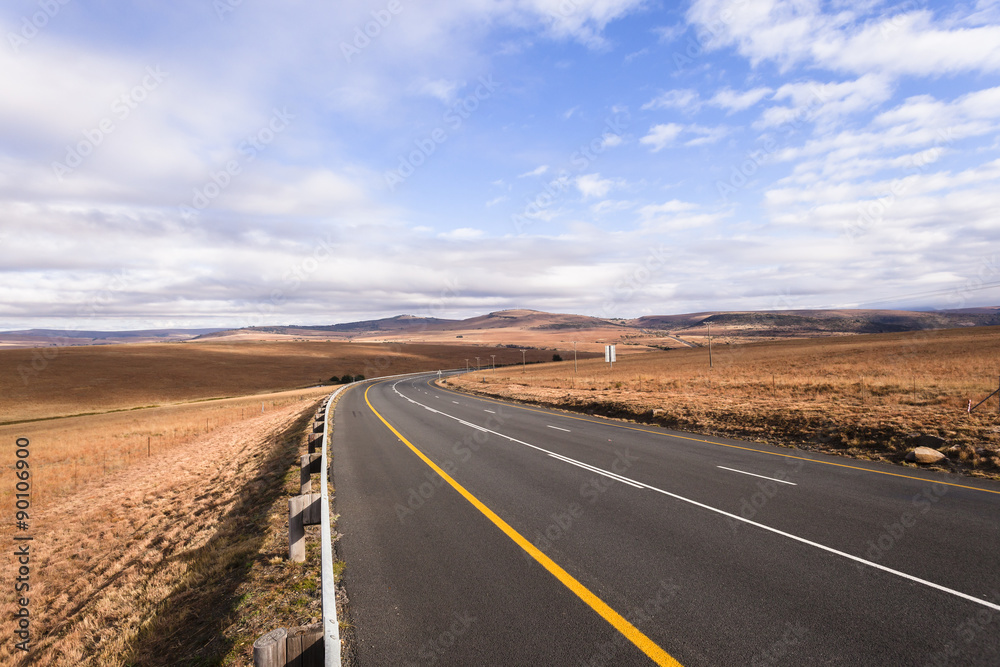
<point>859,394</point>
<point>67,453</point>
<point>143,566</point>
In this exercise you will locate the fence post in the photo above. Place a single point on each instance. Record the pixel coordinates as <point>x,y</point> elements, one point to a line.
<point>304,646</point>
<point>314,440</point>
<point>303,511</point>
<point>305,473</point>
<point>296,530</point>
<point>270,650</point>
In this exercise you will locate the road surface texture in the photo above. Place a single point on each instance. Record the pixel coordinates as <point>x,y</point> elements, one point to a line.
<point>478,532</point>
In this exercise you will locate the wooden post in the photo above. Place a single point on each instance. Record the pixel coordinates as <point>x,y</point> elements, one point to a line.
<point>270,650</point>
<point>304,646</point>
<point>303,511</point>
<point>305,473</point>
<point>314,441</point>
<point>296,530</point>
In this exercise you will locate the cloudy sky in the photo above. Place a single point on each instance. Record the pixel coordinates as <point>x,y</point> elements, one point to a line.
<point>247,162</point>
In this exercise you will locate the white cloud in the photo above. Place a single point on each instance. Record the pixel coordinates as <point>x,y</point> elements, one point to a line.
<point>592,185</point>
<point>848,40</point>
<point>463,234</point>
<point>661,136</point>
<point>684,100</point>
<point>706,135</point>
<point>441,89</point>
<point>733,101</point>
<point>537,171</point>
<point>826,103</point>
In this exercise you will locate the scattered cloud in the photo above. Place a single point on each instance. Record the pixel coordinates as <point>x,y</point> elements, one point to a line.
<point>661,136</point>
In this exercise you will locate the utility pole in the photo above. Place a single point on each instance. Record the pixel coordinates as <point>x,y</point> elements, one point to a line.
<point>710,345</point>
<point>466,365</point>
<point>493,358</point>
<point>523,363</point>
<point>477,363</point>
<point>574,357</point>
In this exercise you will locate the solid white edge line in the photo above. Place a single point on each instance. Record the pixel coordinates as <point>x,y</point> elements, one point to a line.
<point>744,472</point>
<point>843,554</point>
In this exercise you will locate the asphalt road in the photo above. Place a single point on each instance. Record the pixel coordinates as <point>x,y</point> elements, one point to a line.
<point>478,532</point>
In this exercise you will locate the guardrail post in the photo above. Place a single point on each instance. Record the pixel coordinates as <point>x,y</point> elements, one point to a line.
<point>309,464</point>
<point>303,511</point>
<point>270,650</point>
<point>314,441</point>
<point>304,646</point>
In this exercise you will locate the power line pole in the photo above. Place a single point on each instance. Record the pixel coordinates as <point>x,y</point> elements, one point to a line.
<point>710,345</point>
<point>574,357</point>
<point>523,363</point>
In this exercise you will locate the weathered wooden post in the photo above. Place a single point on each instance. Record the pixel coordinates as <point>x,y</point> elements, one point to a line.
<point>303,511</point>
<point>270,650</point>
<point>314,441</point>
<point>309,464</point>
<point>304,646</point>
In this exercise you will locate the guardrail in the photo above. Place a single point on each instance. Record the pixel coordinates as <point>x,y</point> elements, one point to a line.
<point>299,646</point>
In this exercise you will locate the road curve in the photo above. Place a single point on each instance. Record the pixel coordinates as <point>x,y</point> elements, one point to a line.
<point>479,532</point>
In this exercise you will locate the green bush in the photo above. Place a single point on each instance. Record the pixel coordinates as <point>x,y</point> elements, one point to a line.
<point>347,378</point>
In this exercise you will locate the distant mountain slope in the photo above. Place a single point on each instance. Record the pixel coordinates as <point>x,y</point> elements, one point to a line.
<point>820,322</point>
<point>533,327</point>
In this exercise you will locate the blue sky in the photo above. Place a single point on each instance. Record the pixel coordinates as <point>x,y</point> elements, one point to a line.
<point>236,163</point>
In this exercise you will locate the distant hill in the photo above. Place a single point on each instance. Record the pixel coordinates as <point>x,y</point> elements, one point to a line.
<point>787,323</point>
<point>49,337</point>
<point>534,328</point>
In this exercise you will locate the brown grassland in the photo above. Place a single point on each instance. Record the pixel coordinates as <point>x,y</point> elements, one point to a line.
<point>861,396</point>
<point>175,558</point>
<point>38,383</point>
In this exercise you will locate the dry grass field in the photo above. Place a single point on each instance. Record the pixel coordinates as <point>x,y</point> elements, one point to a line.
<point>68,453</point>
<point>177,558</point>
<point>859,395</point>
<point>39,383</point>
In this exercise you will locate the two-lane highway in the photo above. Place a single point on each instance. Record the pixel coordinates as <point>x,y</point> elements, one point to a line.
<point>478,532</point>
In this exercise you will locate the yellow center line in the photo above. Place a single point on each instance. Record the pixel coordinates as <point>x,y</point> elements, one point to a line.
<point>720,444</point>
<point>641,641</point>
